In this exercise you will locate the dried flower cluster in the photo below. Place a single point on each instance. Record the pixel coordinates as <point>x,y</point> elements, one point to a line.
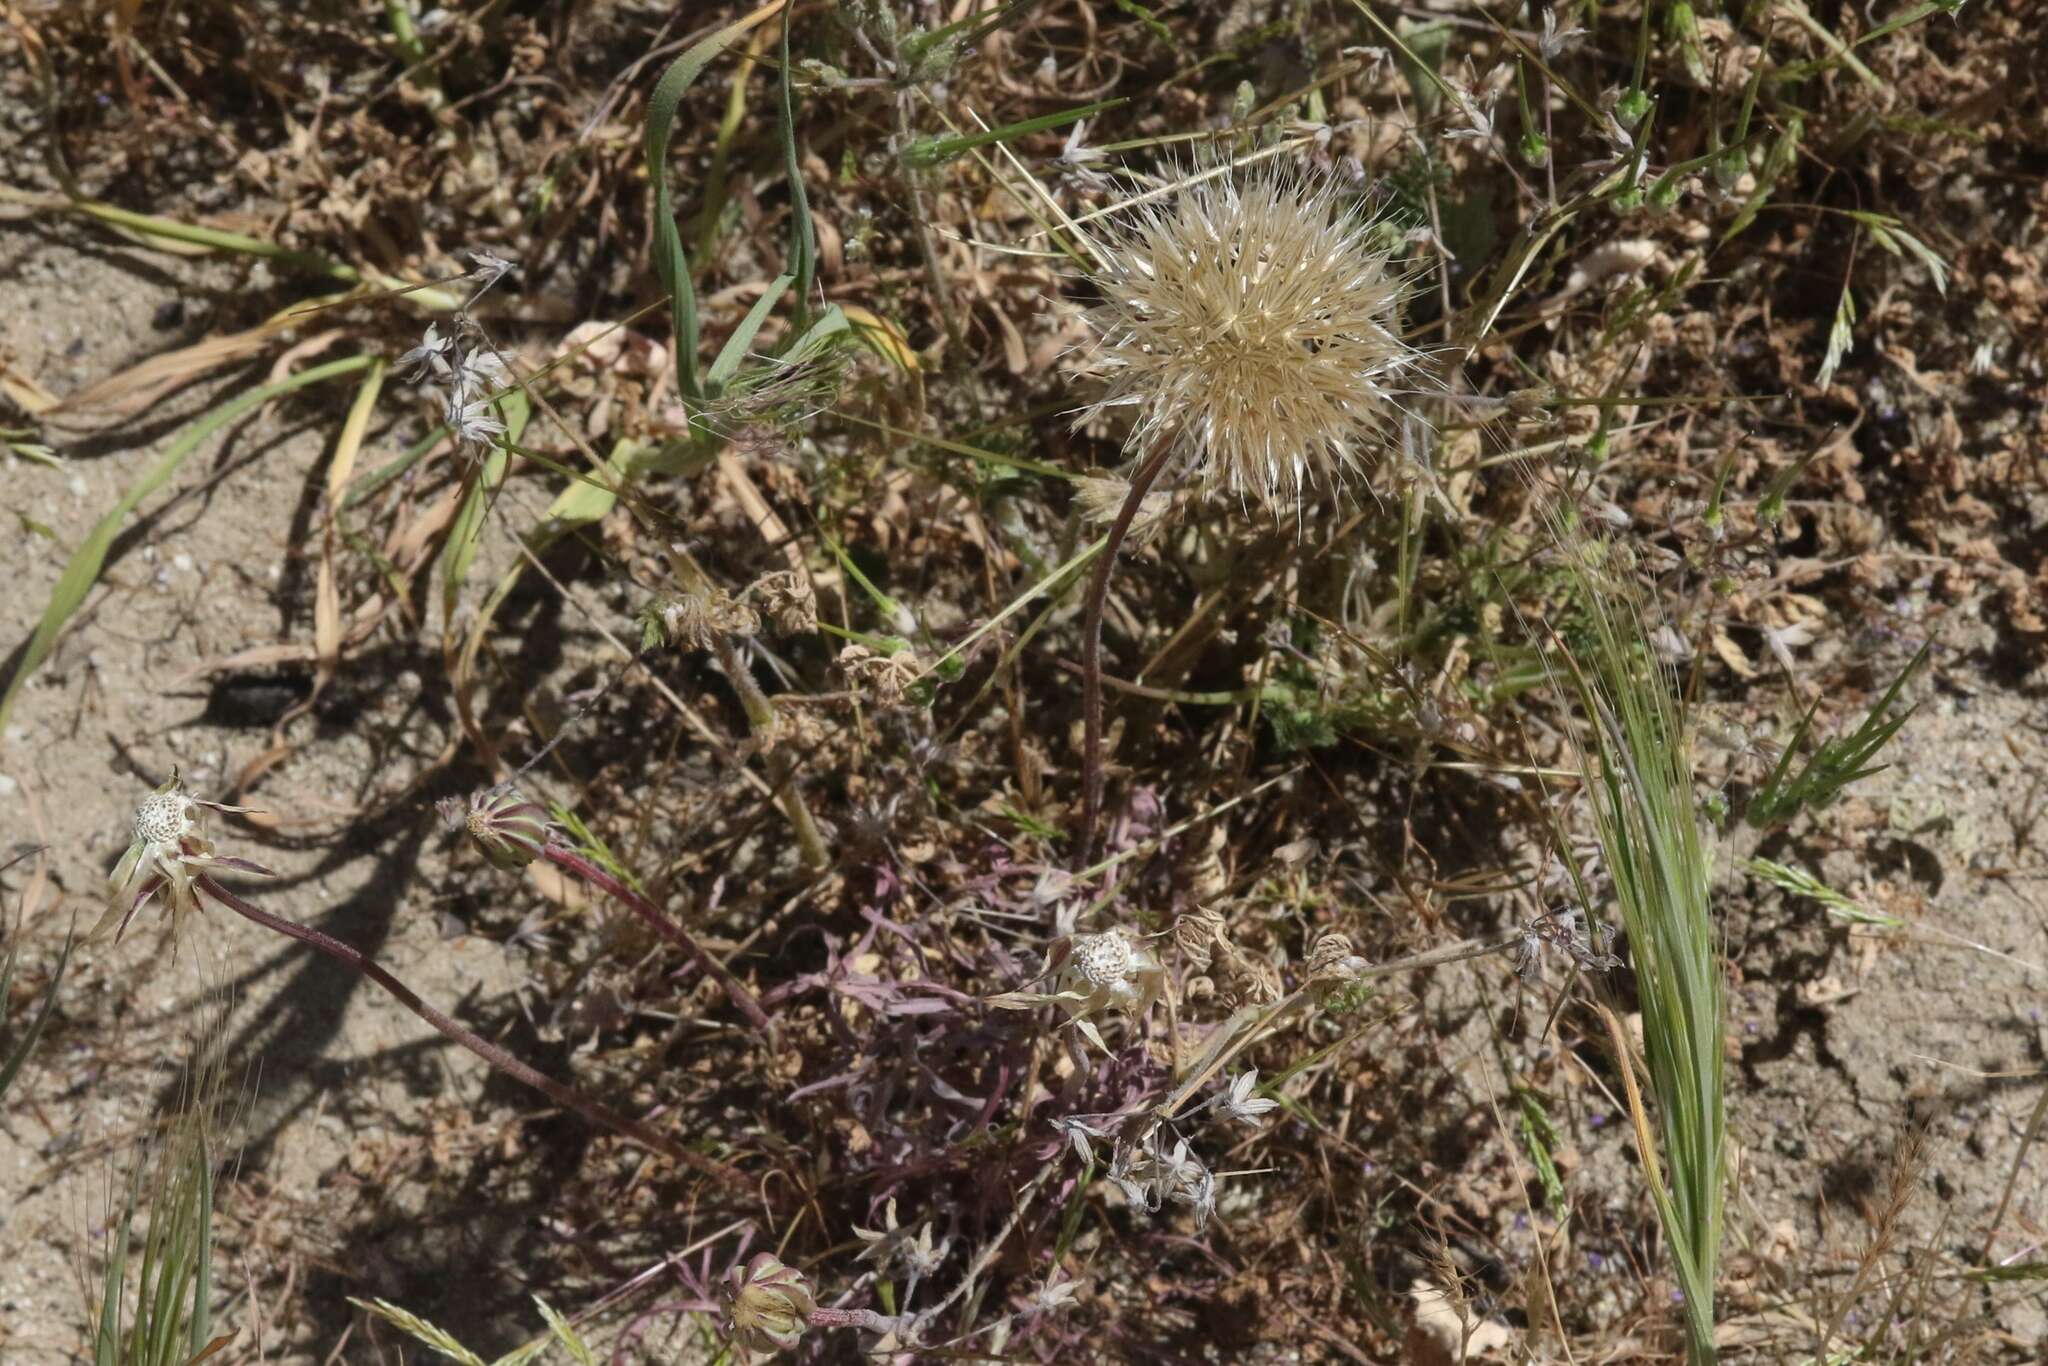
<point>1252,323</point>
<point>469,375</point>
<point>699,618</point>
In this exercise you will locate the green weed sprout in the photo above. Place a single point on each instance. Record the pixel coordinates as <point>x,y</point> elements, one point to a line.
<point>13,1058</point>
<point>168,1320</point>
<point>1835,764</point>
<point>1652,834</point>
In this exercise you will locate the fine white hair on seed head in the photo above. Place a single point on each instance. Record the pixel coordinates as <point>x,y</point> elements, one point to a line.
<point>1252,321</point>
<point>1103,959</point>
<point>162,818</point>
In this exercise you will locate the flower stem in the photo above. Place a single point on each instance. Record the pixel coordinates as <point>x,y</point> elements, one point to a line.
<point>821,1317</point>
<point>781,769</point>
<point>567,1097</point>
<point>1091,642</point>
<point>663,925</point>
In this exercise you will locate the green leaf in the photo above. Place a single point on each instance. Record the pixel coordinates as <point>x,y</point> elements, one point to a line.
<point>586,500</point>
<point>83,570</point>
<point>670,261</point>
<point>803,234</point>
<point>735,349</point>
<point>14,1062</point>
<point>469,522</point>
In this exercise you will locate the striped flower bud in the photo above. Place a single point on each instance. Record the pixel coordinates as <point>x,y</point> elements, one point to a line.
<point>506,828</point>
<point>768,1304</point>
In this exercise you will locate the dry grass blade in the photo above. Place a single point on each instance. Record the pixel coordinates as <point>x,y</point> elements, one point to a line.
<point>133,390</point>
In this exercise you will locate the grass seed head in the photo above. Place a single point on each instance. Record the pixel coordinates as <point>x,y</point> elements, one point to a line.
<point>1252,322</point>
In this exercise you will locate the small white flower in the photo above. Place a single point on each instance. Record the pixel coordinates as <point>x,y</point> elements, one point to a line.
<point>434,357</point>
<point>480,374</point>
<point>1241,1105</point>
<point>1076,152</point>
<point>1552,44</point>
<point>921,1256</point>
<point>490,269</point>
<point>1184,1179</point>
<point>1127,1165</point>
<point>1051,1297</point>
<point>168,854</point>
<point>1077,1135</point>
<point>1478,113</point>
<point>472,423</point>
<point>878,1240</point>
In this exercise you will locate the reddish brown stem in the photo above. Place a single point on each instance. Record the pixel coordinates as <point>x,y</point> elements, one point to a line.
<point>1091,644</point>
<point>665,926</point>
<point>567,1097</point>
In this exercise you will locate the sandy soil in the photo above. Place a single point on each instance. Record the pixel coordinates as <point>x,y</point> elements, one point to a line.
<point>345,1085</point>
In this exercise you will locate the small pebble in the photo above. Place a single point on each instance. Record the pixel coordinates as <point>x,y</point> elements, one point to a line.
<point>7,785</point>
<point>182,562</point>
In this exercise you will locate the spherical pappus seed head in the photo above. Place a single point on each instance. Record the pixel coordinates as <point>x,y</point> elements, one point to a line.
<point>1104,959</point>
<point>164,817</point>
<point>1253,322</point>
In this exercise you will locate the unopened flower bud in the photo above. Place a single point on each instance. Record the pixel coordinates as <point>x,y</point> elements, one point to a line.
<point>507,829</point>
<point>768,1304</point>
<point>1330,959</point>
<point>1196,934</point>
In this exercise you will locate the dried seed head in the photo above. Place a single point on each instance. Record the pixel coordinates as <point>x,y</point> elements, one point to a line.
<point>1252,322</point>
<point>888,675</point>
<point>768,1304</point>
<point>787,596</point>
<point>697,619</point>
<point>1330,959</point>
<point>1197,934</point>
<point>168,854</point>
<point>164,817</point>
<point>1248,979</point>
<point>1103,960</point>
<point>1106,971</point>
<point>506,828</point>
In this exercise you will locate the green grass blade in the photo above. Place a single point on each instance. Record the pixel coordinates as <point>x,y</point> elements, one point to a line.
<point>926,152</point>
<point>240,244</point>
<point>803,234</point>
<point>19,1056</point>
<point>90,557</point>
<point>670,260</point>
<point>735,349</point>
<point>200,1329</point>
<point>1651,831</point>
<point>465,535</point>
<point>107,1341</point>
